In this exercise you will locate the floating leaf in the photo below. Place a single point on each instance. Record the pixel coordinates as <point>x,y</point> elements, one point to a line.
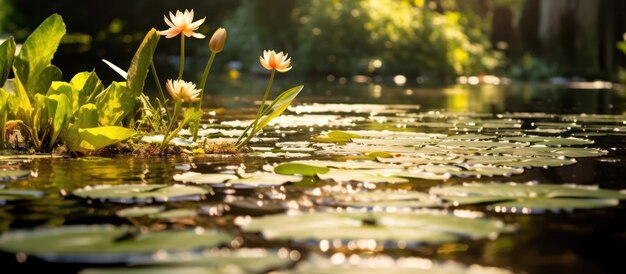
<point>380,199</point>
<point>6,175</point>
<point>141,193</point>
<point>19,194</point>
<point>549,141</point>
<point>529,198</point>
<point>417,227</point>
<point>138,211</point>
<point>299,169</point>
<point>104,243</point>
<point>355,264</point>
<point>218,261</point>
<point>203,178</point>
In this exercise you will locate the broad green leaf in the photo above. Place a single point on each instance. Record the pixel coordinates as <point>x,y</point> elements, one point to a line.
<point>49,75</point>
<point>214,261</point>
<point>87,117</point>
<point>139,211</point>
<point>4,105</point>
<point>416,227</point>
<point>7,55</point>
<point>278,106</point>
<point>59,110</point>
<point>6,175</point>
<point>19,194</point>
<point>299,169</point>
<point>342,134</point>
<point>87,85</point>
<point>105,243</point>
<point>199,178</point>
<point>381,264</point>
<point>136,193</point>
<point>60,87</point>
<point>138,70</point>
<point>99,137</point>
<point>37,52</point>
<point>114,104</point>
<point>529,198</point>
<point>19,104</point>
<point>191,114</point>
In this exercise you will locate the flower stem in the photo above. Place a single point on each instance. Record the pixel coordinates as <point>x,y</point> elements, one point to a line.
<point>259,112</point>
<point>158,84</point>
<point>182,57</point>
<point>169,135</point>
<point>205,75</point>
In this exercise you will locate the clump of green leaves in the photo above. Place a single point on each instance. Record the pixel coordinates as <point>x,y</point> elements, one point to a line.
<point>81,114</point>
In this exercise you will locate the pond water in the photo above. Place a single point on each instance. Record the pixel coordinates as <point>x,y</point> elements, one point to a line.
<point>426,139</point>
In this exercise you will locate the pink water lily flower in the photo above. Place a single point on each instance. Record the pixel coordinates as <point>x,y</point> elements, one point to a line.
<point>183,23</point>
<point>280,62</point>
<point>182,91</point>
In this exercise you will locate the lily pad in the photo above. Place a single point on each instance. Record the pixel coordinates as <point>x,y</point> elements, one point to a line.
<point>139,211</point>
<point>429,227</point>
<point>204,178</point>
<point>6,175</point>
<point>299,169</point>
<point>355,264</point>
<point>380,199</point>
<point>141,193</point>
<point>19,194</point>
<point>550,141</point>
<point>218,261</point>
<point>529,198</point>
<point>105,243</point>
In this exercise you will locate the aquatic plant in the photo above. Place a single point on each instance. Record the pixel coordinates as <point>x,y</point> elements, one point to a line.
<point>273,62</point>
<point>84,116</point>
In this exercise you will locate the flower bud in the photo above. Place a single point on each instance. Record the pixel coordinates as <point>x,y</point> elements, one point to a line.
<point>218,40</point>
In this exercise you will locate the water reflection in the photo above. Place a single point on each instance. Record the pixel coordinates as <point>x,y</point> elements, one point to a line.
<point>578,98</point>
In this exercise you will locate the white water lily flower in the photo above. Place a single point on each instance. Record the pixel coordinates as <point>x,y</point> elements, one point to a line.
<point>183,23</point>
<point>271,60</point>
<point>183,91</point>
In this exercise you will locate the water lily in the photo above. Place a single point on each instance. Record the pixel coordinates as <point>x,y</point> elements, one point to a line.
<point>273,61</point>
<point>216,44</point>
<point>183,23</point>
<point>182,91</point>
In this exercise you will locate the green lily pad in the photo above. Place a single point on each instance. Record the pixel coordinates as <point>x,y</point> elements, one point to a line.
<point>6,175</point>
<point>349,164</point>
<point>370,176</point>
<point>380,199</point>
<point>529,198</point>
<point>19,194</point>
<point>470,137</point>
<point>141,193</point>
<point>243,180</point>
<point>204,178</point>
<point>139,211</point>
<point>355,264</point>
<point>105,243</point>
<point>219,261</point>
<point>417,227</point>
<point>299,169</point>
<point>550,141</point>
